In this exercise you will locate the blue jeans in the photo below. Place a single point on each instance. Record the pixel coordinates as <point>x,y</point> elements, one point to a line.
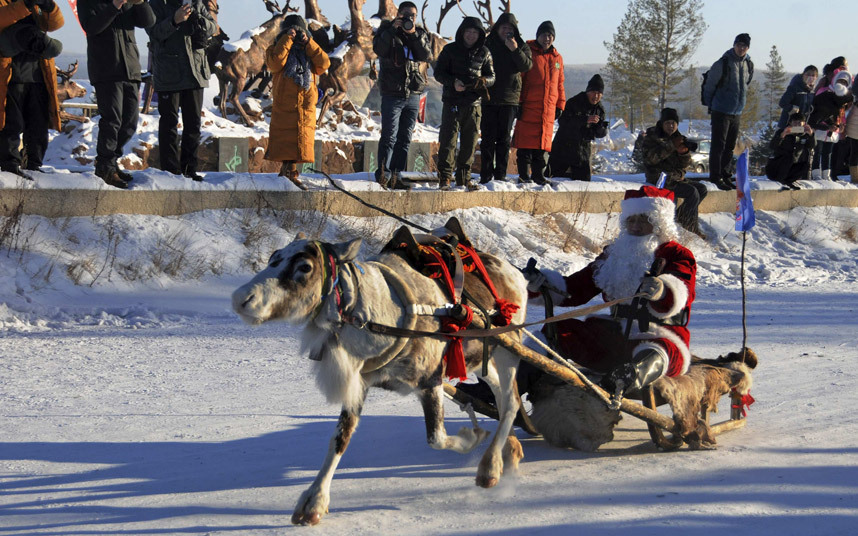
<point>398,117</point>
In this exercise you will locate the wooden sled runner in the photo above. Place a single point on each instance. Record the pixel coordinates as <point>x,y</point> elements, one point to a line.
<point>692,397</point>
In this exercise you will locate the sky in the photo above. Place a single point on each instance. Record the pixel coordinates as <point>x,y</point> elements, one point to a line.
<point>582,27</point>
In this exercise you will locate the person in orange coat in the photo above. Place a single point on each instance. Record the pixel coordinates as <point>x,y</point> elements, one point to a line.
<point>28,82</point>
<point>542,100</point>
<point>295,61</point>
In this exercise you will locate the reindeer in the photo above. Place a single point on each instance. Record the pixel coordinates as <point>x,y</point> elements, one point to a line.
<point>68,89</point>
<point>235,64</point>
<point>298,287</point>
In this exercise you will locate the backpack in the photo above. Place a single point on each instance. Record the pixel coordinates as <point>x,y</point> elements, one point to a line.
<point>722,79</point>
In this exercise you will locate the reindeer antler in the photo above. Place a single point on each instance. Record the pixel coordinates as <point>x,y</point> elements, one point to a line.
<point>423,12</point>
<point>272,6</point>
<point>484,10</point>
<point>289,9</point>
<point>446,9</point>
<point>67,74</point>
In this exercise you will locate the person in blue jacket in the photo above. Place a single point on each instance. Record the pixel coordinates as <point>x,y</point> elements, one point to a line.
<point>798,96</point>
<point>725,92</point>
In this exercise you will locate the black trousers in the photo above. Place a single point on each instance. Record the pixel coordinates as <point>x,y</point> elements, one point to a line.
<point>27,113</point>
<point>191,103</point>
<point>495,129</point>
<point>725,132</point>
<point>531,164</point>
<point>691,193</point>
<point>119,108</point>
<point>784,171</point>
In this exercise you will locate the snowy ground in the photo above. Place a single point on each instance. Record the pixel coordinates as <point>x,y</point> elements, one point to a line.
<point>134,402</point>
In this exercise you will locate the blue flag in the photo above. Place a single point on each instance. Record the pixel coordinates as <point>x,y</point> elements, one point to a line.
<point>745,218</point>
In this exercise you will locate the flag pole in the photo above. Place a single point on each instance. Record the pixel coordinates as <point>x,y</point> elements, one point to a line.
<point>745,220</point>
<point>744,300</point>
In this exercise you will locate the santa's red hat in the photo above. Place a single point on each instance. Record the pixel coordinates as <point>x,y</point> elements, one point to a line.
<point>656,203</point>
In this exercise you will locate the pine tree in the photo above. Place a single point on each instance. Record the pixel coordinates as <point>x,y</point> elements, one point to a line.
<point>652,47</point>
<point>774,84</point>
<point>753,108</point>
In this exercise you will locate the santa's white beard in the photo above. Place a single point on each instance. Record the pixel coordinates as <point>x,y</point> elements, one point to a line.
<point>629,257</point>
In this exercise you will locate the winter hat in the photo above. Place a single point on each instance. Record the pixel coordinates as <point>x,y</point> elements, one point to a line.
<point>744,39</point>
<point>294,21</point>
<point>596,84</point>
<point>842,83</point>
<point>546,27</point>
<point>669,114</point>
<point>657,204</point>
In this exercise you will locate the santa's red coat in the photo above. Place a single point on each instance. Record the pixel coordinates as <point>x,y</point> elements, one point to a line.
<point>598,342</point>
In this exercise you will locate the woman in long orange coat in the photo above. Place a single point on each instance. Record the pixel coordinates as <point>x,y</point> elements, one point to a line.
<point>542,100</point>
<point>295,61</point>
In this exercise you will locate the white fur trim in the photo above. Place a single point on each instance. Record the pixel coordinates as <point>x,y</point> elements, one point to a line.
<point>659,332</point>
<point>679,292</point>
<point>659,349</point>
<point>660,211</point>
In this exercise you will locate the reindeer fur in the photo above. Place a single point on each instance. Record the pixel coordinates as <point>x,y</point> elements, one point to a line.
<point>290,289</point>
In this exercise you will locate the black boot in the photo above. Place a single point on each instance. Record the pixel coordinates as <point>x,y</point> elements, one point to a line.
<point>397,183</point>
<point>631,378</point>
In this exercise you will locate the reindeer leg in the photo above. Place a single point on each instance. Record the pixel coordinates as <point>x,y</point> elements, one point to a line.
<point>436,434</point>
<point>224,89</point>
<point>505,451</point>
<point>313,503</point>
<point>236,102</point>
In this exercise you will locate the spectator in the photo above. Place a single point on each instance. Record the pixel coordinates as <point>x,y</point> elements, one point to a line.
<point>725,92</point>
<point>582,121</point>
<point>792,147</point>
<point>828,119</point>
<point>464,68</point>
<point>114,71</point>
<point>798,96</point>
<point>181,71</point>
<point>667,151</point>
<point>510,57</point>
<point>828,71</point>
<point>403,48</point>
<point>852,139</point>
<point>28,81</point>
<point>296,61</point>
<point>647,233</point>
<point>543,97</point>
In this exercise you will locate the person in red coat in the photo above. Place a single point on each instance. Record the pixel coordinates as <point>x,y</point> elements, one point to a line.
<point>542,101</point>
<point>647,234</point>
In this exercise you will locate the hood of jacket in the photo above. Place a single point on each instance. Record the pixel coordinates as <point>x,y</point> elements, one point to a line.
<point>506,18</point>
<point>471,22</point>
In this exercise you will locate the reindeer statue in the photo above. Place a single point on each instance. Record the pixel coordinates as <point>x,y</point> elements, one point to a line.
<point>238,61</point>
<point>69,89</point>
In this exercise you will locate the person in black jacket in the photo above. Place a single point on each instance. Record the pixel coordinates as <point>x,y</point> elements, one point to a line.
<point>403,50</point>
<point>666,150</point>
<point>792,150</point>
<point>798,96</point>
<point>464,68</point>
<point>181,71</point>
<point>582,121</point>
<point>827,118</point>
<point>114,71</point>
<point>510,57</point>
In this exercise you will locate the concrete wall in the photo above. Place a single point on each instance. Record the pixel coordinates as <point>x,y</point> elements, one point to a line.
<point>66,203</point>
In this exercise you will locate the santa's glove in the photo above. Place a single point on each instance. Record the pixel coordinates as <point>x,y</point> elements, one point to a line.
<point>652,288</point>
<point>535,279</point>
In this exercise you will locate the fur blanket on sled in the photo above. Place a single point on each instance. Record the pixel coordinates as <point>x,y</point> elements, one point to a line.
<point>568,417</point>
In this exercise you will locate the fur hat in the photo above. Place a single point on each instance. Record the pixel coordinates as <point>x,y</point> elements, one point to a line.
<point>546,27</point>
<point>656,203</point>
<point>596,84</point>
<point>744,39</point>
<point>294,21</point>
<point>669,114</point>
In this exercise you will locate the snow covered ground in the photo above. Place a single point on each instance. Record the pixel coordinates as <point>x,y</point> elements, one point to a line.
<point>133,400</point>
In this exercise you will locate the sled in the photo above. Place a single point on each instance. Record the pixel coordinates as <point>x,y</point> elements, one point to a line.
<point>665,432</point>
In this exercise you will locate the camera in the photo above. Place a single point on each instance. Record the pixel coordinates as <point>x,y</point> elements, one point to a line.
<point>407,24</point>
<point>692,145</point>
<point>796,130</point>
<point>510,35</point>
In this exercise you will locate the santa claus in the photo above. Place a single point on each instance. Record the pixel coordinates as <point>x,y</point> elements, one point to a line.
<point>647,233</point>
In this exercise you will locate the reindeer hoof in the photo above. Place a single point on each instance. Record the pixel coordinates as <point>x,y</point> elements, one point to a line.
<point>486,482</point>
<point>300,518</point>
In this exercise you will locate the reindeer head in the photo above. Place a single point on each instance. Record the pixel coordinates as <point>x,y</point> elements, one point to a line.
<point>66,88</point>
<point>294,284</point>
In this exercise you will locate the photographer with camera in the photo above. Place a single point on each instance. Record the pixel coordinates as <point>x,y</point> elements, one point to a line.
<point>181,71</point>
<point>667,151</point>
<point>403,50</point>
<point>466,71</point>
<point>28,81</point>
<point>582,121</point>
<point>792,152</point>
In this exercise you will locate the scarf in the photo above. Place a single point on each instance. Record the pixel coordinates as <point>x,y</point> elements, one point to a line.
<point>298,67</point>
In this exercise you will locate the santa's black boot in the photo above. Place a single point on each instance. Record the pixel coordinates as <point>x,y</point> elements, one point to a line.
<point>629,379</point>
